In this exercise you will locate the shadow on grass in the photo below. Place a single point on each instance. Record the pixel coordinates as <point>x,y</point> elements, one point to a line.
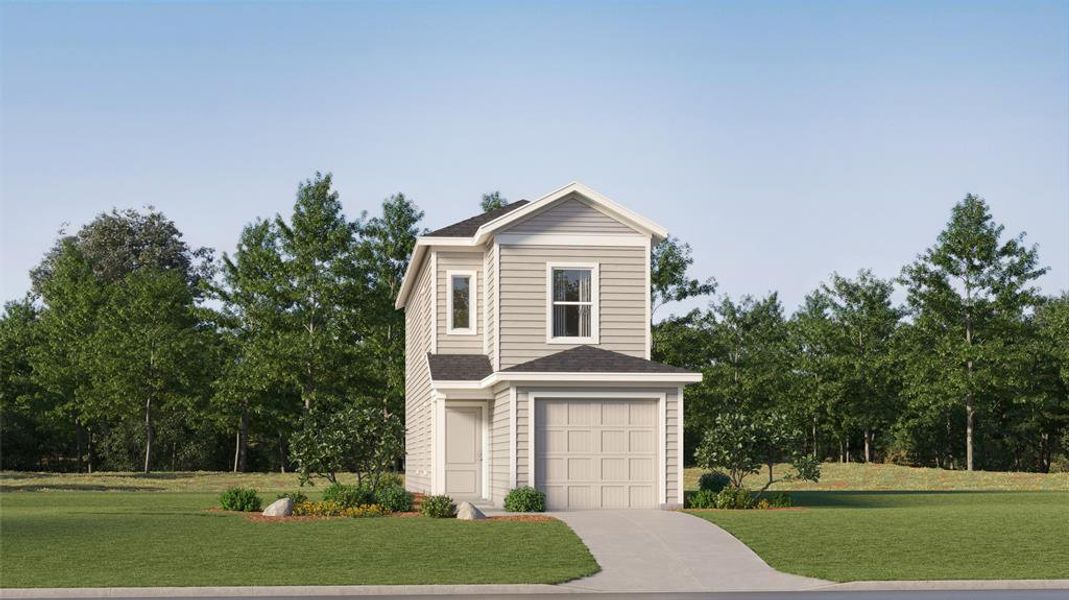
<point>894,498</point>
<point>77,487</point>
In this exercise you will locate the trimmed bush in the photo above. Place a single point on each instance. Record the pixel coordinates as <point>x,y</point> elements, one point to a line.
<point>525,499</point>
<point>394,498</point>
<point>240,499</point>
<point>297,496</point>
<point>349,496</point>
<point>713,481</point>
<point>733,499</point>
<point>702,499</point>
<point>438,507</point>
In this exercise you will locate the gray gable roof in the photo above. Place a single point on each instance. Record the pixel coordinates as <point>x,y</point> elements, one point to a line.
<point>468,227</point>
<point>459,367</point>
<point>588,359</point>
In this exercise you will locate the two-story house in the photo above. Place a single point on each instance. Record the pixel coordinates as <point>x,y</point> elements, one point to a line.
<point>528,359</point>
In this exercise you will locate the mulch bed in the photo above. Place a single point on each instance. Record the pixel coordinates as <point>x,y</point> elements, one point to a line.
<point>259,518</point>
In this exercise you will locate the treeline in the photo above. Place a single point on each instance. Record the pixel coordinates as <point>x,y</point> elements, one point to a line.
<point>134,351</point>
<point>972,372</point>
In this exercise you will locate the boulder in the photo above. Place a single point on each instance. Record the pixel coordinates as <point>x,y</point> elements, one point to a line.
<point>466,511</point>
<point>283,507</point>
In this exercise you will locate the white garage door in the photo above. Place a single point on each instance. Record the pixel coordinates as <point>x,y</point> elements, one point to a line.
<point>596,453</point>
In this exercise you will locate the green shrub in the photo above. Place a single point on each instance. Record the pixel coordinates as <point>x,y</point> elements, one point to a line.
<point>297,496</point>
<point>438,507</point>
<point>732,499</point>
<point>394,498</point>
<point>348,496</point>
<point>525,499</point>
<point>713,481</point>
<point>778,499</point>
<point>702,499</point>
<point>240,499</point>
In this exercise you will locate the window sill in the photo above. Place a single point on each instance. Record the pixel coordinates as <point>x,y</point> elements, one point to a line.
<point>572,340</point>
<point>461,332</point>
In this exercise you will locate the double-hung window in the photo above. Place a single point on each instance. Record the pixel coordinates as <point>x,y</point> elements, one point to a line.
<point>460,302</point>
<point>572,303</point>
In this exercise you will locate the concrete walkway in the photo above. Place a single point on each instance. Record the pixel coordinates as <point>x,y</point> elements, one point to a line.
<point>668,551</point>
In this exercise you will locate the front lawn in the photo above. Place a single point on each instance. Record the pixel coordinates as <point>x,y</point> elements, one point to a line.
<point>851,536</point>
<point>124,539</point>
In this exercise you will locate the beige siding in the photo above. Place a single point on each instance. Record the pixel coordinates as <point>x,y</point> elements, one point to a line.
<point>499,445</point>
<point>418,384</point>
<point>622,305</point>
<point>571,215</point>
<point>490,299</point>
<point>453,343</point>
<point>671,438</point>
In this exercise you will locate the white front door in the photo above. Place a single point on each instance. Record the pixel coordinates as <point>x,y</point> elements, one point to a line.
<point>463,452</point>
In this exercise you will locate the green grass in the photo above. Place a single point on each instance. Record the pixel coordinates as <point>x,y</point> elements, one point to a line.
<point>854,476</point>
<point>195,481</point>
<point>851,536</point>
<point>98,539</point>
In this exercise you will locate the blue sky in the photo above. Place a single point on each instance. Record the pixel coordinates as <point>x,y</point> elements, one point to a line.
<point>783,140</point>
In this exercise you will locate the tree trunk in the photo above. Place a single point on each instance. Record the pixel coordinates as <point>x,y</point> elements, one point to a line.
<point>89,453</point>
<point>241,443</point>
<point>281,453</point>
<point>868,455</point>
<point>149,434</point>
<point>969,411</point>
<point>816,453</point>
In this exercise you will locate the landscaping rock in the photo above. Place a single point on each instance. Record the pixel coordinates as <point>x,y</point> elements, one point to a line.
<point>467,512</point>
<point>283,507</point>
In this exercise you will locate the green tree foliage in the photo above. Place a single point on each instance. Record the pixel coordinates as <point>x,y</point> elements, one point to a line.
<point>361,438</point>
<point>492,201</point>
<point>670,262</point>
<point>967,296</point>
<point>740,444</point>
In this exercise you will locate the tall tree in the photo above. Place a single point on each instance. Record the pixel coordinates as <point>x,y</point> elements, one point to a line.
<point>383,251</point>
<point>865,321</point>
<point>146,350</point>
<point>493,201</point>
<point>318,247</point>
<point>964,294</point>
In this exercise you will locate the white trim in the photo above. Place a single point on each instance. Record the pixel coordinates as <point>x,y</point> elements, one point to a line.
<point>679,445</point>
<point>496,358</point>
<point>486,303</point>
<point>438,436</point>
<point>473,295</point>
<point>512,437</point>
<point>595,301</point>
<point>649,302</point>
<point>485,450</point>
<point>542,377</point>
<point>662,448</point>
<point>565,239</point>
<point>434,302</point>
<point>661,398</point>
<point>551,377</point>
<point>615,210</point>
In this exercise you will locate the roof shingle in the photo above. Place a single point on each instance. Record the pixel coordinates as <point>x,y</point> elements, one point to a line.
<point>468,227</point>
<point>459,367</point>
<point>588,359</point>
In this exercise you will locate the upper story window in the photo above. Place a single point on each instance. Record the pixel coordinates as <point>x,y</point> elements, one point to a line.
<point>572,305</point>
<point>460,303</point>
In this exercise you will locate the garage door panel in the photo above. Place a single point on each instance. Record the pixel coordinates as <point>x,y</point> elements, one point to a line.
<point>579,441</point>
<point>597,453</point>
<point>640,441</point>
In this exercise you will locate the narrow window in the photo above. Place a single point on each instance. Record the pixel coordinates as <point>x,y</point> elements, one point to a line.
<point>573,303</point>
<point>461,303</point>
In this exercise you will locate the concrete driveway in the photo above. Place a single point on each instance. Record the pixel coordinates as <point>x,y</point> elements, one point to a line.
<point>668,551</point>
